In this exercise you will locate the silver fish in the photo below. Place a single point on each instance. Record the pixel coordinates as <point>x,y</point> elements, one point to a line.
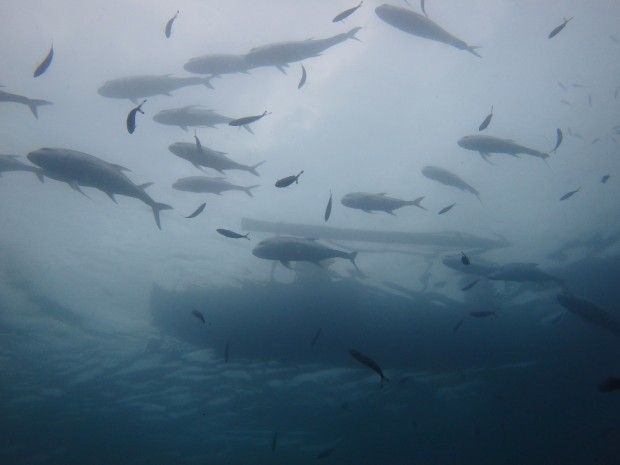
<point>486,145</point>
<point>448,178</point>
<point>558,140</point>
<point>47,61</point>
<point>205,184</point>
<point>328,209</point>
<point>218,64</point>
<point>287,181</point>
<point>368,202</point>
<point>168,29</point>
<point>191,115</point>
<point>557,30</point>
<point>209,158</point>
<point>486,122</point>
<point>570,194</point>
<point>346,13</point>
<point>446,209</point>
<point>131,117</point>
<point>302,81</point>
<point>232,234</point>
<point>138,87</point>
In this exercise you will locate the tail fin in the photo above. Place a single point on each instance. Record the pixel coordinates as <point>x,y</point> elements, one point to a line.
<point>157,207</point>
<point>247,189</point>
<point>34,104</point>
<point>416,202</point>
<point>252,169</point>
<point>352,32</point>
<point>472,49</point>
<point>352,257</point>
<point>207,82</point>
<point>39,174</point>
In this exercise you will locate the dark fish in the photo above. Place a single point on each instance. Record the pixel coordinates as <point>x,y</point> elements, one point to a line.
<point>199,315</point>
<point>558,139</point>
<point>328,209</point>
<point>232,234</point>
<point>274,442</point>
<point>422,6</point>
<point>316,337</point>
<point>569,194</point>
<point>47,61</point>
<point>482,313</point>
<point>470,285</point>
<point>287,181</point>
<point>370,363</point>
<point>226,352</point>
<point>247,119</point>
<point>487,120</point>
<point>326,453</point>
<point>346,13</point>
<point>446,209</point>
<point>557,30</point>
<point>605,178</point>
<point>465,259</point>
<point>561,85</point>
<point>169,24</point>
<point>457,326</point>
<point>131,117</point>
<point>198,211</point>
<point>302,81</point>
<point>610,384</point>
<point>198,144</point>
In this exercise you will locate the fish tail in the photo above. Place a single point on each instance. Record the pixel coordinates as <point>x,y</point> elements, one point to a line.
<point>352,32</point>
<point>39,174</point>
<point>248,191</point>
<point>416,202</point>
<point>477,194</point>
<point>207,82</point>
<point>352,257</point>
<point>157,207</point>
<point>472,49</point>
<point>252,169</point>
<point>34,104</point>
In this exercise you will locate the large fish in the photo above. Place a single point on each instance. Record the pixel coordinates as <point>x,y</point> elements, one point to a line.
<point>280,54</point>
<point>590,312</point>
<point>33,104</point>
<point>413,23</point>
<point>138,87</point>
<point>205,184</point>
<point>377,202</point>
<point>11,163</point>
<point>286,249</point>
<point>217,64</point>
<point>486,145</point>
<point>191,115</point>
<point>449,179</point>
<point>81,169</point>
<point>209,158</point>
<point>523,272</point>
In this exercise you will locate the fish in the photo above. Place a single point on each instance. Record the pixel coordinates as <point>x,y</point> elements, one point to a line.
<point>286,249</point>
<point>422,7</point>
<point>590,312</point>
<point>280,54</point>
<point>566,102</point>
<point>446,209</point>
<point>226,352</point>
<point>370,363</point>
<point>557,30</point>
<point>209,158</point>
<point>142,86</point>
<point>570,194</point>
<point>316,337</point>
<point>47,61</point>
<point>558,139</point>
<point>377,202</point>
<point>482,313</point>
<point>206,184</point>
<point>274,441</point>
<point>287,181</point>
<point>199,315</point>
<point>131,117</point>
<point>413,23</point>
<point>523,272</point>
<point>470,285</point>
<point>328,209</point>
<point>487,120</point>
<point>589,99</point>
<point>217,64</point>
<point>596,141</point>
<point>457,326</point>
<point>616,92</point>
<point>82,169</point>
<point>11,163</point>
<point>244,121</point>
<point>605,178</point>
<point>302,81</point>
<point>613,39</point>
<point>465,259</point>
<point>561,85</point>
<point>609,384</point>
<point>168,29</point>
<point>326,453</point>
<point>577,86</point>
<point>448,178</point>
<point>191,115</point>
<point>198,211</point>
<point>346,13</point>
<point>33,104</point>
<point>232,234</point>
<point>486,145</point>
<point>198,144</point>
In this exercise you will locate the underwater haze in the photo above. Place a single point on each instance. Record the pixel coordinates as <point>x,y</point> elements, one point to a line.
<point>343,232</point>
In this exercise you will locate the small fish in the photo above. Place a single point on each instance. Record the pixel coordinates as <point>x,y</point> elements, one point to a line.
<point>274,442</point>
<point>569,194</point>
<point>370,363</point>
<point>422,6</point>
<point>610,384</point>
<point>470,285</point>
<point>326,453</point>
<point>302,81</point>
<point>198,211</point>
<point>47,61</point>
<point>226,352</point>
<point>287,181</point>
<point>557,30</point>
<point>169,24</point>
<point>131,117</point>
<point>561,85</point>
<point>482,313</point>
<point>558,140</point>
<point>346,13</point>
<point>328,209</point>
<point>590,99</point>
<point>316,337</point>
<point>247,119</point>
<point>198,144</point>
<point>577,86</point>
<point>605,178</point>
<point>457,326</point>
<point>465,259</point>
<point>232,234</point>
<point>446,209</point>
<point>566,102</point>
<point>199,315</point>
<point>487,120</point>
